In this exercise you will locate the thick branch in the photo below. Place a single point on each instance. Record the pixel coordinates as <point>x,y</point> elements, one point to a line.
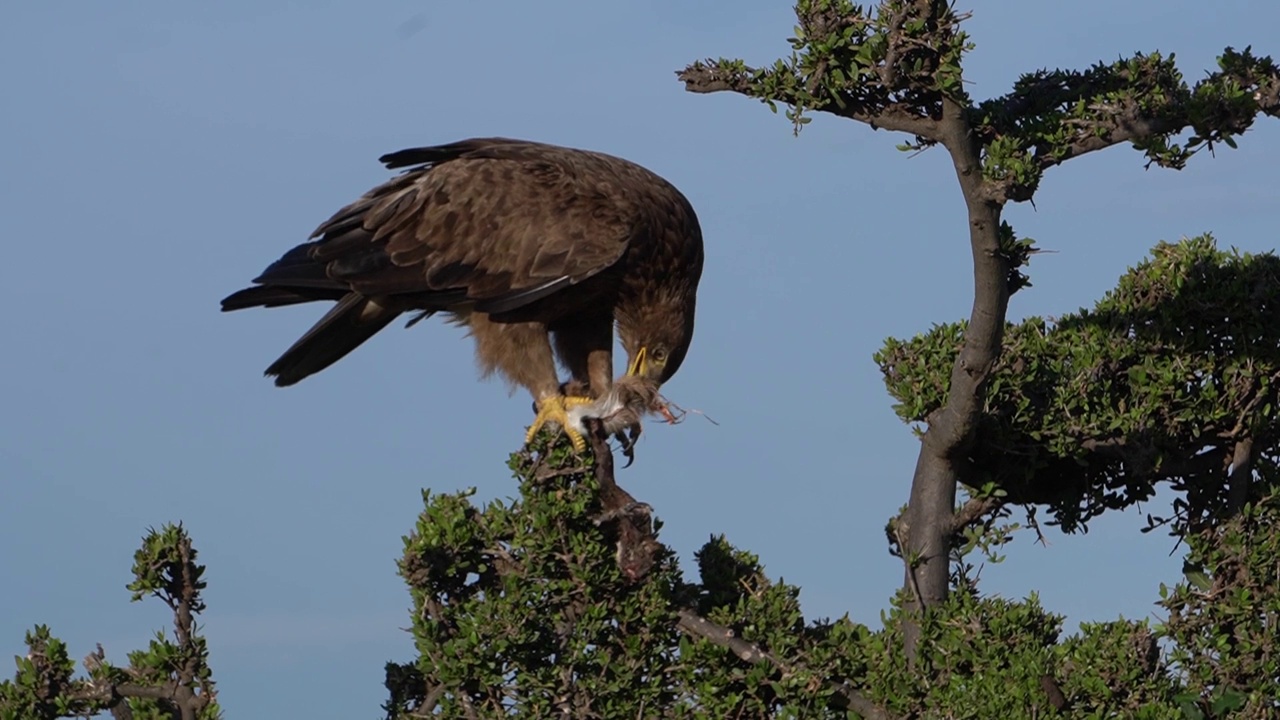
<point>974,510</point>
<point>184,625</point>
<point>429,702</point>
<point>1127,124</point>
<point>1161,464</point>
<point>111,695</point>
<point>844,697</point>
<point>1241,474</point>
<point>636,545</point>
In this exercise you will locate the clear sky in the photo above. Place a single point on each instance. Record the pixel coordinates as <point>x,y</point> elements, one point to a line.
<point>158,155</point>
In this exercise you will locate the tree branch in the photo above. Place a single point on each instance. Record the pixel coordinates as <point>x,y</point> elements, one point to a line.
<point>636,545</point>
<point>111,696</point>
<point>1142,101</point>
<point>429,702</point>
<point>184,625</point>
<point>708,77</point>
<point>844,697</point>
<point>973,510</point>
<point>1241,475</point>
<point>1125,124</point>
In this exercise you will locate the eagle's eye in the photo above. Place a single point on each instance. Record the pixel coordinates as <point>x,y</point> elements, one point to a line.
<point>659,355</point>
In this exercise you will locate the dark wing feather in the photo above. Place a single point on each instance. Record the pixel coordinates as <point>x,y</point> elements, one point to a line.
<point>298,269</point>
<point>505,223</point>
<point>519,298</point>
<point>436,154</point>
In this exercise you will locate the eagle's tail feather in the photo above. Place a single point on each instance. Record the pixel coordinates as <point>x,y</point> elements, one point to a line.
<point>353,320</point>
<point>274,296</point>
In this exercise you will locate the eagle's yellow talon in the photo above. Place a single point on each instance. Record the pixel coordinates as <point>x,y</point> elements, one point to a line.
<point>555,409</point>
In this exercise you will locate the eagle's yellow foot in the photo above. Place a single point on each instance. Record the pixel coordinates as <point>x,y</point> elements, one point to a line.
<point>555,409</point>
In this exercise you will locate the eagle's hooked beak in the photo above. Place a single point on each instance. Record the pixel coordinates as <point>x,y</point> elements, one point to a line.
<point>637,363</point>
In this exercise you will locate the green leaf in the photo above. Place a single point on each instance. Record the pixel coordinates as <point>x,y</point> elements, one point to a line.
<point>1227,701</point>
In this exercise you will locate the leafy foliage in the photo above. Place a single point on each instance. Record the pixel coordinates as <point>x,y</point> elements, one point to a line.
<point>1157,383</point>
<point>892,66</point>
<point>521,608</point>
<point>850,61</point>
<point>1224,634</point>
<point>1051,116</point>
<point>520,611</point>
<point>169,676</point>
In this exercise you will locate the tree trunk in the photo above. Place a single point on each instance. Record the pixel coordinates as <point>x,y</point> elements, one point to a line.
<point>943,460</point>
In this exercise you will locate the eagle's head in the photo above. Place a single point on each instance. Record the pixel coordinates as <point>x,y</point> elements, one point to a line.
<point>656,336</point>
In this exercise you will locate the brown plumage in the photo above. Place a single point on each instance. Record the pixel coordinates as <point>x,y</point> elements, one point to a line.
<point>540,250</point>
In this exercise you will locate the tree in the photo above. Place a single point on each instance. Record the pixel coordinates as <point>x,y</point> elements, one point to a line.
<point>900,68</point>
<point>565,604</point>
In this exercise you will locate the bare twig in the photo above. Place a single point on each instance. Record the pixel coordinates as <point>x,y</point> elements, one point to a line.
<point>1034,524</point>
<point>112,695</point>
<point>889,70</point>
<point>545,475</point>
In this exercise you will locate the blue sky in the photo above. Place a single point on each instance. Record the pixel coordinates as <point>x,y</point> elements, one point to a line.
<point>158,155</point>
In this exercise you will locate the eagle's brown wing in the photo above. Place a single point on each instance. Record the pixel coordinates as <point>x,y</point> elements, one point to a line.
<point>494,224</point>
<point>501,222</point>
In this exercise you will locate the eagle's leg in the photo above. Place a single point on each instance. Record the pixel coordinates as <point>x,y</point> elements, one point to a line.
<point>585,348</point>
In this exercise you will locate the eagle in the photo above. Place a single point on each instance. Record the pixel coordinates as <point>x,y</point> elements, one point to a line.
<point>540,251</point>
